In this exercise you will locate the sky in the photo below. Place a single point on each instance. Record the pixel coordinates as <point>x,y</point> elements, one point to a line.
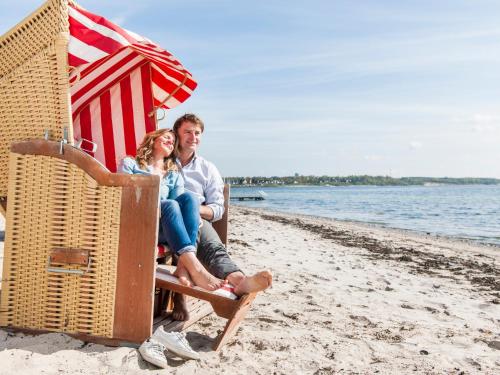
<point>386,87</point>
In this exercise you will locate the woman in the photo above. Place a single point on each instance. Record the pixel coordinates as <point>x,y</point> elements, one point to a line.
<point>179,210</point>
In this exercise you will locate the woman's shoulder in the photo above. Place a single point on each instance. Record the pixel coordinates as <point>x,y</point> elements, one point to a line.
<point>128,164</point>
<point>129,160</point>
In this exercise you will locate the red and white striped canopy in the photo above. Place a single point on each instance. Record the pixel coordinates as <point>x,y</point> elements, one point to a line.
<point>120,79</point>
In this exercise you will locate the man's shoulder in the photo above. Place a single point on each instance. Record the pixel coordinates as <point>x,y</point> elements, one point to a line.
<point>206,164</point>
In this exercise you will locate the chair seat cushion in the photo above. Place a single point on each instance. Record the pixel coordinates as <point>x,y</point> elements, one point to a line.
<point>162,251</point>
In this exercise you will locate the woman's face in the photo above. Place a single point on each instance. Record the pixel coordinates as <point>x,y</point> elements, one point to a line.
<point>164,144</point>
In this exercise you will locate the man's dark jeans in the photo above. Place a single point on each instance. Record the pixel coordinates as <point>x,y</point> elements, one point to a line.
<point>212,253</point>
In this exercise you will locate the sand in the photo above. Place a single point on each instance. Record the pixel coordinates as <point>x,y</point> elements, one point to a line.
<point>347,298</point>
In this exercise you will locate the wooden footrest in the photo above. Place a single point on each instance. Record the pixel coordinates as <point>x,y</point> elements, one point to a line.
<point>231,309</point>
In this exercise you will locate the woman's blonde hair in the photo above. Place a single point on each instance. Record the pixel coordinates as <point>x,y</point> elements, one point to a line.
<point>145,150</point>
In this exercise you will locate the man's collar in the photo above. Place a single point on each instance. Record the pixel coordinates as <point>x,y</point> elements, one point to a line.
<point>193,158</point>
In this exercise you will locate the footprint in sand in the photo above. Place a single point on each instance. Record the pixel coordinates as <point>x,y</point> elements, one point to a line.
<point>494,344</point>
<point>273,321</point>
<point>388,336</point>
<point>322,278</point>
<point>406,306</point>
<point>293,316</point>
<point>259,345</point>
<point>407,327</point>
<point>431,309</point>
<point>363,320</point>
<point>474,363</point>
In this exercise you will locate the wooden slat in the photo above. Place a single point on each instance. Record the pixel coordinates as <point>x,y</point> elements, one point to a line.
<point>197,310</point>
<point>221,226</point>
<point>233,310</point>
<point>222,306</point>
<point>237,316</point>
<point>136,263</point>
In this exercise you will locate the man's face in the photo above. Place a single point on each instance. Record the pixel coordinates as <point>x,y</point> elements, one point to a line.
<point>189,135</point>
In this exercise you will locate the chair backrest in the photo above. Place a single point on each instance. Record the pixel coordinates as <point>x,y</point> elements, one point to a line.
<point>34,87</point>
<point>79,247</point>
<point>221,226</point>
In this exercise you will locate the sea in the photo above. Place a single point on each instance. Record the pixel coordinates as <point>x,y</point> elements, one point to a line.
<point>469,212</point>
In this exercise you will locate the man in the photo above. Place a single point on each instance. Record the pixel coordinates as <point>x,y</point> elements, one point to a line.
<point>202,178</point>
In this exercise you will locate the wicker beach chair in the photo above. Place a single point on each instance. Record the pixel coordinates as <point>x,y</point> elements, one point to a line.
<point>80,241</point>
<point>79,246</point>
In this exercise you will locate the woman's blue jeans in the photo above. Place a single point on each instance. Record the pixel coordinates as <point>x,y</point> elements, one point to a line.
<point>179,223</point>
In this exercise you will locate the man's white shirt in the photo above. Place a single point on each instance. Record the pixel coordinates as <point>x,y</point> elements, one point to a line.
<point>202,178</point>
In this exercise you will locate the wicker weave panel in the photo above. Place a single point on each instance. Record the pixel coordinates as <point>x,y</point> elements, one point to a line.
<point>33,34</point>
<point>34,98</point>
<point>34,87</point>
<point>52,203</point>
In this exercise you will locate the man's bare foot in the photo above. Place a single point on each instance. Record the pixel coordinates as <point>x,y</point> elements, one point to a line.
<point>183,275</point>
<point>180,311</point>
<point>255,283</point>
<point>200,276</point>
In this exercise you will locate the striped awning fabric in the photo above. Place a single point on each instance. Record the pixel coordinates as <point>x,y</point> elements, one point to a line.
<point>118,81</point>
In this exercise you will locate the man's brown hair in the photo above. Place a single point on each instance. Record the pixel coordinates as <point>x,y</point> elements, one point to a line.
<point>188,117</point>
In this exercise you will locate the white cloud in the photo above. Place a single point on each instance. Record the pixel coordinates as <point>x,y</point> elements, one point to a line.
<point>415,145</point>
<point>485,123</point>
<point>373,157</point>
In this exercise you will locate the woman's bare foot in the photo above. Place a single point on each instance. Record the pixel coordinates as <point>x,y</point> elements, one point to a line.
<point>180,311</point>
<point>183,275</point>
<point>255,283</point>
<point>200,276</point>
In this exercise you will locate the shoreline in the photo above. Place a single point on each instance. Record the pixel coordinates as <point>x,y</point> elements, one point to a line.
<point>372,225</point>
<point>386,247</point>
<point>466,240</point>
<point>347,298</point>
<point>430,184</point>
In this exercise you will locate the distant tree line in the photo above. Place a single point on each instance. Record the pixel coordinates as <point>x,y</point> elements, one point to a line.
<point>356,180</point>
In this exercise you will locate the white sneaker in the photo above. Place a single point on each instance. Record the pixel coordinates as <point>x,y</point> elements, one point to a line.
<point>152,351</point>
<point>176,343</point>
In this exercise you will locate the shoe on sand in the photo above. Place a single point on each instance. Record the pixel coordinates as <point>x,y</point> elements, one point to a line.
<point>153,352</point>
<point>176,343</point>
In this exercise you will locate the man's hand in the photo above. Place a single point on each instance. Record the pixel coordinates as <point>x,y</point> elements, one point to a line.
<point>206,213</point>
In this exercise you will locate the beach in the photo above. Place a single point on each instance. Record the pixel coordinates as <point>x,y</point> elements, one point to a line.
<point>347,298</point>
